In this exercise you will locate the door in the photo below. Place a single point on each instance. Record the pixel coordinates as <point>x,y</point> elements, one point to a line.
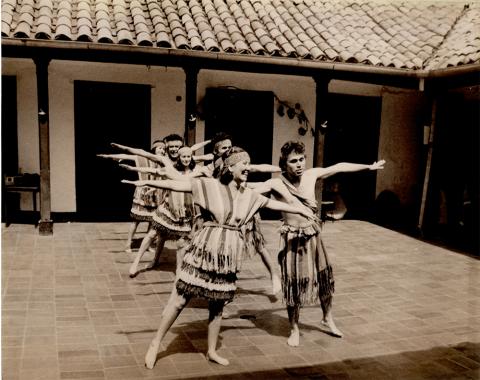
<point>352,136</point>
<point>9,141</point>
<point>105,113</point>
<point>245,115</point>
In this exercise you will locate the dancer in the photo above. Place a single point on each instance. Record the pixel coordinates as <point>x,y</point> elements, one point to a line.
<point>144,201</point>
<point>307,276</point>
<point>173,217</point>
<point>213,257</point>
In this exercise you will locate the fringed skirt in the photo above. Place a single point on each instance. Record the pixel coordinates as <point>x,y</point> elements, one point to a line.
<point>307,276</point>
<point>173,223</point>
<point>254,240</point>
<point>211,262</point>
<point>144,204</point>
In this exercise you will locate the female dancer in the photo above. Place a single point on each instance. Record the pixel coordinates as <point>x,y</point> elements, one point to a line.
<point>144,201</point>
<point>213,257</point>
<point>173,217</point>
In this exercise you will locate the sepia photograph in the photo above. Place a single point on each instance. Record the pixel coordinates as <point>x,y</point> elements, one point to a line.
<point>240,189</point>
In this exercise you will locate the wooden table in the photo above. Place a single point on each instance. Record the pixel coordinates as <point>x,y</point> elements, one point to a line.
<point>21,189</point>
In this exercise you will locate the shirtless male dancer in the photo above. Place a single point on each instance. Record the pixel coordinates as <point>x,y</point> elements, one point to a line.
<point>307,276</point>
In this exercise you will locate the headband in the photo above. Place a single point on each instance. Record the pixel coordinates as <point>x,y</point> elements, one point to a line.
<point>235,158</point>
<point>184,149</point>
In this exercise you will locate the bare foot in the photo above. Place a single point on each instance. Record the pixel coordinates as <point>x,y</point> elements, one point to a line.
<point>128,248</point>
<point>152,264</point>
<point>151,249</point>
<point>294,338</point>
<point>214,357</point>
<point>151,356</point>
<point>133,270</point>
<point>276,284</point>
<point>333,329</point>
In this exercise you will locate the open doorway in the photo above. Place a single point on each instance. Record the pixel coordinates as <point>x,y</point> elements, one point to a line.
<point>248,117</point>
<point>352,136</point>
<point>105,113</point>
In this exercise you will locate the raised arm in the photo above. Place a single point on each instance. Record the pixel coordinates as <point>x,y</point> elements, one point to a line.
<point>142,169</point>
<point>137,151</point>
<point>265,168</point>
<point>345,167</point>
<point>204,157</point>
<point>199,145</point>
<point>118,157</point>
<point>168,184</point>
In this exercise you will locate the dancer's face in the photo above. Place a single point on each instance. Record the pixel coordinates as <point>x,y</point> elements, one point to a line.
<point>172,149</point>
<point>240,171</point>
<point>295,164</point>
<point>185,158</point>
<point>223,147</point>
<point>160,149</point>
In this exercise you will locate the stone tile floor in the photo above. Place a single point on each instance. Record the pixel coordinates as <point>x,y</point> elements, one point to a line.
<point>409,310</point>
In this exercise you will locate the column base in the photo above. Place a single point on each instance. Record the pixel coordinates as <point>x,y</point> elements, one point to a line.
<point>45,227</point>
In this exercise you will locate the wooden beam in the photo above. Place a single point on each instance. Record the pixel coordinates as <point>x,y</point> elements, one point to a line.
<point>321,119</point>
<point>45,225</point>
<point>428,166</point>
<point>191,80</point>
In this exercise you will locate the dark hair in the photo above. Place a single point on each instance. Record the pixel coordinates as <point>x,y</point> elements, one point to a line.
<point>287,148</point>
<point>226,175</point>
<point>173,137</point>
<point>220,136</point>
<point>180,167</point>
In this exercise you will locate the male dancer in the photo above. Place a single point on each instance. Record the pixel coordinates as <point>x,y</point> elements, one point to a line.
<point>307,275</point>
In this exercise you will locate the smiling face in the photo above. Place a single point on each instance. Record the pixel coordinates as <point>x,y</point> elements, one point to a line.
<point>159,149</point>
<point>223,147</point>
<point>295,164</point>
<point>240,171</point>
<point>185,157</point>
<point>172,149</point>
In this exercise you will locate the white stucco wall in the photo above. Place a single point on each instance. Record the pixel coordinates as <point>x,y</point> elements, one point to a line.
<point>399,116</point>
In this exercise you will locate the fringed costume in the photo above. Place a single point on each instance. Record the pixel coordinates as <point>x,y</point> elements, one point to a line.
<point>214,256</point>
<point>307,275</point>
<point>254,240</point>
<point>144,198</point>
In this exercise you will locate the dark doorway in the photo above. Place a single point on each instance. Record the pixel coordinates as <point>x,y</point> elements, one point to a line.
<point>9,141</point>
<point>248,117</point>
<point>352,136</point>
<point>105,113</point>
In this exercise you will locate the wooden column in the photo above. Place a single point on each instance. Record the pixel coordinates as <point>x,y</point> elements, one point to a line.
<point>191,74</point>
<point>428,166</point>
<point>45,225</point>
<point>321,117</point>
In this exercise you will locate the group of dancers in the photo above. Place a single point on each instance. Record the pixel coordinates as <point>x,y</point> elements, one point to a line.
<point>211,212</point>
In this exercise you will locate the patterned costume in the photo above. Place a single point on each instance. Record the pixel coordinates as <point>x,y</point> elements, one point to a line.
<point>144,198</point>
<point>214,256</point>
<point>173,217</point>
<point>307,275</point>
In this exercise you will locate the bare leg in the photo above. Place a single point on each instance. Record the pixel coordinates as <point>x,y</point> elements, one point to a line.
<point>143,247</point>
<point>131,233</point>
<point>158,250</point>
<point>181,247</point>
<point>293,317</point>
<point>328,322</point>
<point>175,305</point>
<point>267,260</point>
<point>214,323</point>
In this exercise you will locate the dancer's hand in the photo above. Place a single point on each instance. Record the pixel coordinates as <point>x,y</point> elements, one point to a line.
<point>377,165</point>
<point>128,167</point>
<point>129,182</point>
<point>308,214</point>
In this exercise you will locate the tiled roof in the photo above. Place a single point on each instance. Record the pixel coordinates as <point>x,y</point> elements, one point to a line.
<point>411,35</point>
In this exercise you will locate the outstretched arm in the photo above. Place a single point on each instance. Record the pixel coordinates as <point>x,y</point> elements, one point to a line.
<point>137,151</point>
<point>265,168</point>
<point>345,167</point>
<point>118,157</point>
<point>199,145</point>
<point>142,169</point>
<point>284,207</point>
<point>204,157</point>
<point>168,184</point>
